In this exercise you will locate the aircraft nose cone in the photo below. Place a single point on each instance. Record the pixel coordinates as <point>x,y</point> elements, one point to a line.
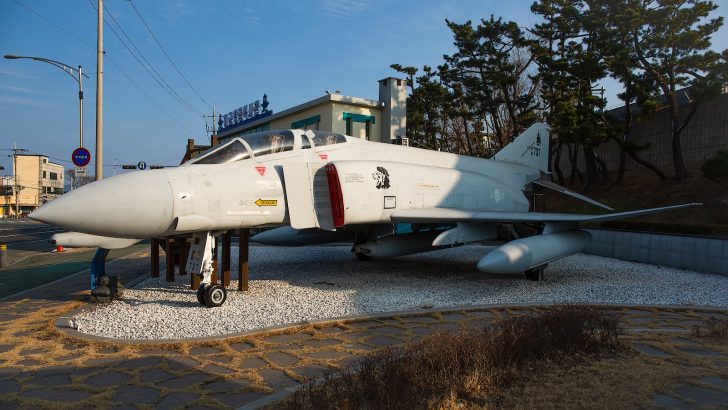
<point>134,205</point>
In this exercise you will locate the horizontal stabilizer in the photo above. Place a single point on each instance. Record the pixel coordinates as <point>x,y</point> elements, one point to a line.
<point>558,188</point>
<point>445,215</point>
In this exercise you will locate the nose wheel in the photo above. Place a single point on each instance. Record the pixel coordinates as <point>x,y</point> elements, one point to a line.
<point>215,295</point>
<point>211,295</point>
<point>201,294</point>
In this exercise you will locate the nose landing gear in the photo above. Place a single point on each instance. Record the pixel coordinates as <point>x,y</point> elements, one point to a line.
<point>199,262</point>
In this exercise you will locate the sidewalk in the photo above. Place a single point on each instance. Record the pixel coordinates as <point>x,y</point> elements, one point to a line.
<point>38,268</point>
<point>42,367</point>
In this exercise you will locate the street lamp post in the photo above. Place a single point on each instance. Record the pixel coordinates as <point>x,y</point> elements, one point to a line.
<point>73,72</point>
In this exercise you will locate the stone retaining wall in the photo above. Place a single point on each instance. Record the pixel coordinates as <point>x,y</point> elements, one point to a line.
<point>685,252</point>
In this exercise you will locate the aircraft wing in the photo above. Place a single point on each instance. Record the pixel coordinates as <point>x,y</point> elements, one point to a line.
<point>439,215</point>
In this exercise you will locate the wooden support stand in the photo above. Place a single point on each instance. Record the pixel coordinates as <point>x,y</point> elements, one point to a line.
<point>243,252</point>
<point>226,245</point>
<point>170,260</point>
<point>183,248</point>
<point>155,257</point>
<point>194,281</point>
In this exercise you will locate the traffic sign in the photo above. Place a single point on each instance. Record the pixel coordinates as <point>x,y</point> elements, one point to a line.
<point>81,157</point>
<point>80,172</point>
<point>142,165</point>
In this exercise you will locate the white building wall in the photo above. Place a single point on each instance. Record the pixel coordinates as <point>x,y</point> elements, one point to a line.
<point>393,93</point>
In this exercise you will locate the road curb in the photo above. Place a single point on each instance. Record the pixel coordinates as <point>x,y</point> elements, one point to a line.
<point>63,322</point>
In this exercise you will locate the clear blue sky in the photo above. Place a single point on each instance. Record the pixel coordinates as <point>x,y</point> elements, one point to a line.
<point>232,52</point>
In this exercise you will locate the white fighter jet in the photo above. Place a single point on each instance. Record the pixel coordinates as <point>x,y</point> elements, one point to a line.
<point>316,186</point>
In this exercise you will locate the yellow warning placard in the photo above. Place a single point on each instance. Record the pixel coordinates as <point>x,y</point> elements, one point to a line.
<point>266,202</point>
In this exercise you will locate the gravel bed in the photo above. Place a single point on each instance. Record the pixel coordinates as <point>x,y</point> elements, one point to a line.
<point>290,285</point>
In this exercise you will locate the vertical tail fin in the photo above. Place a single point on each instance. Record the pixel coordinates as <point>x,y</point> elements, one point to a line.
<point>531,148</point>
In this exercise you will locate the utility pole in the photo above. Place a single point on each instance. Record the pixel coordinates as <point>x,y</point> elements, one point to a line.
<point>80,105</point>
<point>214,114</point>
<point>17,187</point>
<point>15,179</point>
<point>100,92</point>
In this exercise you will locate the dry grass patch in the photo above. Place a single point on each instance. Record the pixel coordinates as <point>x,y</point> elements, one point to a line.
<point>472,368</point>
<point>713,329</point>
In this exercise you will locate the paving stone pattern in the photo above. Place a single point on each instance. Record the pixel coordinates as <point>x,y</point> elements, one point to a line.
<point>41,367</point>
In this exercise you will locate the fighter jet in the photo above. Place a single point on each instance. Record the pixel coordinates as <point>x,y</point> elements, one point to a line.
<point>316,186</point>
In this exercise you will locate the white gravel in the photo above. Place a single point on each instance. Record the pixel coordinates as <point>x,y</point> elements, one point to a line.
<point>290,285</point>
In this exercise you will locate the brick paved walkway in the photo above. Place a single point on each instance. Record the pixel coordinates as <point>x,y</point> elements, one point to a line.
<point>43,367</point>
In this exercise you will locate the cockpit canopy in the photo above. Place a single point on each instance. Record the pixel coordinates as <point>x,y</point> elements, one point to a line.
<point>263,143</point>
<point>322,138</point>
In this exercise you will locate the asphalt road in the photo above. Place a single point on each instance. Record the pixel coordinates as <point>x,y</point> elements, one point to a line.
<point>26,235</point>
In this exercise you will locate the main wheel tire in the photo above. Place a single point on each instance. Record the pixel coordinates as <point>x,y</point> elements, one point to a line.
<point>534,274</point>
<point>215,295</point>
<point>201,294</point>
<point>362,256</point>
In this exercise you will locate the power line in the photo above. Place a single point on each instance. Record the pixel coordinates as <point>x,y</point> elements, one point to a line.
<point>167,55</point>
<point>176,95</point>
<point>149,98</point>
<point>156,76</point>
<point>54,24</point>
<point>110,60</point>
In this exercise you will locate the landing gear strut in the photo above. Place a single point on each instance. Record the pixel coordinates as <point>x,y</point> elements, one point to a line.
<point>361,254</point>
<point>199,262</point>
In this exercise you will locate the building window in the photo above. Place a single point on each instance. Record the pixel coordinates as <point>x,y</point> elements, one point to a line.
<point>45,160</point>
<point>54,176</point>
<point>44,175</point>
<point>306,122</point>
<point>367,120</point>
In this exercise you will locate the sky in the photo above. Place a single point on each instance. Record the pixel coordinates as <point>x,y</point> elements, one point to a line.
<point>229,52</point>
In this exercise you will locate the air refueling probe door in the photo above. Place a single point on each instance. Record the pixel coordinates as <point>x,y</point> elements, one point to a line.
<point>299,195</point>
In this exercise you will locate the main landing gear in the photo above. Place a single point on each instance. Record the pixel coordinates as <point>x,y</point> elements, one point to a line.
<point>536,273</point>
<point>199,262</point>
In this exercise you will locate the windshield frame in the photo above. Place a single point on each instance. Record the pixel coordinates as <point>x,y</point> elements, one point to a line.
<point>216,149</point>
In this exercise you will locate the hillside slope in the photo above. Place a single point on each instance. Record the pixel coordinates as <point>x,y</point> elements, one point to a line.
<point>642,189</point>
